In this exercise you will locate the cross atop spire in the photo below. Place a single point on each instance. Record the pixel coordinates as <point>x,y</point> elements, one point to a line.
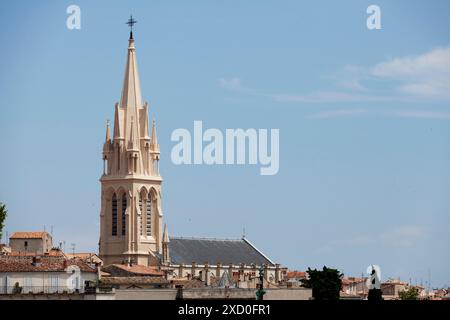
<point>131,22</point>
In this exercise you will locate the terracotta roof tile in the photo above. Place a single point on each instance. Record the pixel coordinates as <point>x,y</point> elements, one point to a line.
<point>349,280</point>
<point>28,235</point>
<point>81,255</point>
<point>134,270</point>
<point>51,253</point>
<point>22,263</point>
<point>296,274</point>
<point>134,280</point>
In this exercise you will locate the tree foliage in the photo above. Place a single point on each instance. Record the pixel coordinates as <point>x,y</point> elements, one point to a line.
<point>326,283</point>
<point>3,215</point>
<point>410,294</point>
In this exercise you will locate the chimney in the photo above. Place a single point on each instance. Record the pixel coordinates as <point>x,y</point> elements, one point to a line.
<point>206,277</point>
<point>218,267</point>
<point>65,264</point>
<point>241,272</point>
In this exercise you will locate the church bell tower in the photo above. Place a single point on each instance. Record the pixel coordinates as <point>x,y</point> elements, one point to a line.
<point>131,216</point>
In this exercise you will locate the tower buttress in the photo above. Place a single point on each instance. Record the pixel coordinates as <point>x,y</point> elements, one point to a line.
<point>165,245</point>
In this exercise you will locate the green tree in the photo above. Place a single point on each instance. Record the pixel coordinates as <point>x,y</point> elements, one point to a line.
<point>326,283</point>
<point>3,215</point>
<point>410,294</point>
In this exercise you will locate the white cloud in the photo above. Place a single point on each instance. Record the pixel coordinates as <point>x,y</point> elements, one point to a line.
<point>422,114</point>
<point>404,236</point>
<point>352,84</point>
<point>230,84</point>
<point>426,75</point>
<point>327,96</point>
<point>403,79</point>
<point>338,113</point>
<point>400,79</point>
<point>350,78</point>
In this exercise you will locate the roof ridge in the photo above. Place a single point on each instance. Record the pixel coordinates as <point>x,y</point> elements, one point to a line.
<point>253,246</point>
<point>205,238</point>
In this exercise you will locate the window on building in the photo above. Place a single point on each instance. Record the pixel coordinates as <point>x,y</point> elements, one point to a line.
<point>124,208</point>
<point>3,286</point>
<point>28,285</point>
<point>114,215</point>
<point>142,215</point>
<point>54,284</point>
<point>148,215</point>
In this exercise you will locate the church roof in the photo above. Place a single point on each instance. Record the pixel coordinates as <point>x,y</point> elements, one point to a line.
<point>214,251</point>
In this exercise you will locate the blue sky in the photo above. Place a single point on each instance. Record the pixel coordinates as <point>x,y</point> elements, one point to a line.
<point>364,119</point>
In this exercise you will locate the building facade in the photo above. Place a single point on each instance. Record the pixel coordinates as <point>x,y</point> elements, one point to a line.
<point>31,242</point>
<point>35,274</point>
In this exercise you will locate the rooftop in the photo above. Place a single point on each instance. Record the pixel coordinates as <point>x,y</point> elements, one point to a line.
<point>214,251</point>
<point>133,280</point>
<point>296,274</point>
<point>123,270</point>
<point>81,255</point>
<point>43,264</point>
<point>51,253</point>
<point>29,235</point>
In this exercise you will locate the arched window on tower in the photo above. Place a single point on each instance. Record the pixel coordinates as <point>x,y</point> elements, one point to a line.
<point>142,215</point>
<point>124,208</point>
<point>114,215</point>
<point>148,215</point>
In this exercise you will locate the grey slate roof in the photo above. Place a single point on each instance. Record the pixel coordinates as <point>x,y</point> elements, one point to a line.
<point>214,251</point>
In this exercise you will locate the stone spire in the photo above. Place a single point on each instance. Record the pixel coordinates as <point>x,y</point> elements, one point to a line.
<point>131,169</point>
<point>117,127</point>
<point>165,245</point>
<point>145,128</point>
<point>132,143</point>
<point>108,135</point>
<point>131,90</point>
<point>166,235</point>
<point>131,99</point>
<point>106,149</point>
<point>154,142</point>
